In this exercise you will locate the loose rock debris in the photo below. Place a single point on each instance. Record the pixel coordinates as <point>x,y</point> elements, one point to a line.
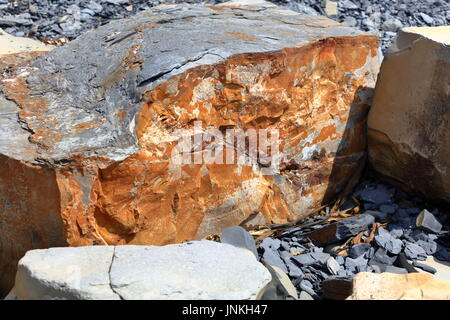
<point>57,22</point>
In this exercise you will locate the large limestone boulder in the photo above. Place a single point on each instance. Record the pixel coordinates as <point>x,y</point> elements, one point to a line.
<point>193,270</point>
<point>409,140</point>
<point>92,127</point>
<point>391,286</point>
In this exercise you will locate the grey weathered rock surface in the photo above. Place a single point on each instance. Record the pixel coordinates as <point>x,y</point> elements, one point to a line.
<point>98,120</point>
<point>408,121</point>
<point>193,270</point>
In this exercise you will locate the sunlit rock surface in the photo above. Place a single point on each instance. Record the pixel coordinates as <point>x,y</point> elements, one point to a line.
<point>89,130</point>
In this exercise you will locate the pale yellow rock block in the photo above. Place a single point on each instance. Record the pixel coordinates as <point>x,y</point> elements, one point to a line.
<point>390,286</point>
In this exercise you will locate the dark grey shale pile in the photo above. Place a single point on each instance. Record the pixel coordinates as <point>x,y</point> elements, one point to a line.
<point>71,18</point>
<point>307,252</point>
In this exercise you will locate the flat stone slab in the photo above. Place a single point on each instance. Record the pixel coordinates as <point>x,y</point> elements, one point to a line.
<point>96,127</point>
<point>193,270</point>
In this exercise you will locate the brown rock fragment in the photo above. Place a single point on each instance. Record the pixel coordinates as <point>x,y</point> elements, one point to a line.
<point>390,286</point>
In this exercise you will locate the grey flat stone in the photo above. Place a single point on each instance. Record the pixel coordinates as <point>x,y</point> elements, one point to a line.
<point>380,195</point>
<point>342,229</point>
<point>395,230</point>
<point>424,267</point>
<point>353,225</point>
<point>273,258</point>
<point>320,257</point>
<point>80,273</point>
<point>270,243</point>
<point>381,257</point>
<point>430,247</point>
<point>358,250</point>
<point>239,237</point>
<point>304,259</point>
<point>293,270</point>
<point>388,208</point>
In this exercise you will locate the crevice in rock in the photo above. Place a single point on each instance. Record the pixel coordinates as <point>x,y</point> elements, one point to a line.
<point>109,274</point>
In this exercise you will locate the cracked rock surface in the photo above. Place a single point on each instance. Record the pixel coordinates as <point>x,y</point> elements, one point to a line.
<point>91,126</point>
<point>195,270</point>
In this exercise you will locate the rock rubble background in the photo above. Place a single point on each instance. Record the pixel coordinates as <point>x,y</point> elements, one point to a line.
<point>71,18</point>
<point>381,235</point>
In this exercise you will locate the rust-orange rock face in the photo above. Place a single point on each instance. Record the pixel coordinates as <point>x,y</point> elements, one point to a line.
<point>90,160</point>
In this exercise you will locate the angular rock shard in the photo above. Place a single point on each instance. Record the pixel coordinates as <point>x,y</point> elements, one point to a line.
<point>13,45</point>
<point>408,121</point>
<point>92,127</point>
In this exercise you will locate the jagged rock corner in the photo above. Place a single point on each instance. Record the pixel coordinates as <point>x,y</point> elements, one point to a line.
<point>390,286</point>
<point>408,134</point>
<point>91,126</point>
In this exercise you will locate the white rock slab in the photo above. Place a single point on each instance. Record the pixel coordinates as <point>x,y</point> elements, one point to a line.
<point>193,270</point>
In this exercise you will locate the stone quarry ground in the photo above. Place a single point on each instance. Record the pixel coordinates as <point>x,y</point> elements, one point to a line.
<point>70,18</point>
<point>386,238</point>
